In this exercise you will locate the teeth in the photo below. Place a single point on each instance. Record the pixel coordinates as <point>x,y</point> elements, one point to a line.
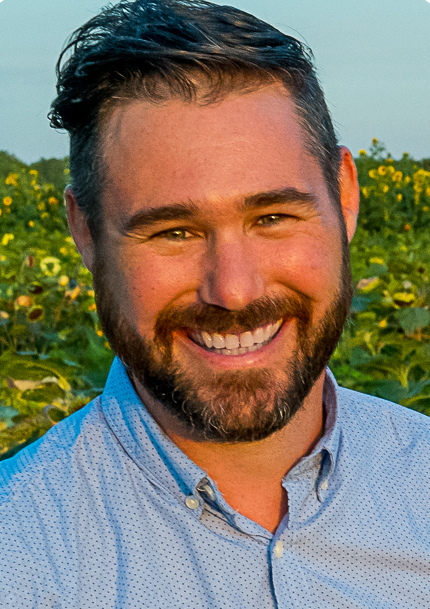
<point>259,335</point>
<point>231,341</point>
<point>218,341</point>
<point>267,331</point>
<point>207,339</point>
<point>233,344</point>
<point>246,339</point>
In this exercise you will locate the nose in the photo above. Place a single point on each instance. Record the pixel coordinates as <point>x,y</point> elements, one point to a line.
<point>231,277</point>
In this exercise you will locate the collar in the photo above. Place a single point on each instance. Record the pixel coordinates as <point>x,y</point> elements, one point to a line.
<point>168,468</point>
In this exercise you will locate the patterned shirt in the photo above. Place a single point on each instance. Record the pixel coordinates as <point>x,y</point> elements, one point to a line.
<point>106,512</point>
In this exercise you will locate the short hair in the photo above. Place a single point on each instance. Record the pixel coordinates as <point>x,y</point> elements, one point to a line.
<point>192,49</point>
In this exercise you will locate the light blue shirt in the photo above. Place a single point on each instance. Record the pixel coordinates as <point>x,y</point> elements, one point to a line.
<point>105,512</point>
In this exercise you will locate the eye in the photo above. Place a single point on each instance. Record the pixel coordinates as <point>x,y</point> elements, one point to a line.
<point>175,234</point>
<point>272,219</point>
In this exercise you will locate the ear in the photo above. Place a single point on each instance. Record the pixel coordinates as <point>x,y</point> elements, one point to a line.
<point>349,191</point>
<point>79,228</point>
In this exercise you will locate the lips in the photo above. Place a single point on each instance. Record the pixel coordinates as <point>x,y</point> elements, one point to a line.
<point>235,344</point>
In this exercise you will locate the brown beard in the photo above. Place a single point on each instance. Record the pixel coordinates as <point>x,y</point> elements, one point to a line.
<point>230,406</point>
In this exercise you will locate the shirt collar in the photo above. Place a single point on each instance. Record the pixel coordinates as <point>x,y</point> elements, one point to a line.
<point>165,465</point>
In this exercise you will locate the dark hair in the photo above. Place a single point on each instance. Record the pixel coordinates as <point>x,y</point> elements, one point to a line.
<point>156,49</point>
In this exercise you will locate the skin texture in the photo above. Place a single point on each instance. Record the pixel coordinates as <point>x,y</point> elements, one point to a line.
<point>223,256</point>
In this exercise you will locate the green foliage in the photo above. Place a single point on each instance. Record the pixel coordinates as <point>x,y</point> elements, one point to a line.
<point>54,358</point>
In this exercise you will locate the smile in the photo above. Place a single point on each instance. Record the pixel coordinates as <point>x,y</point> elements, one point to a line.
<point>236,344</point>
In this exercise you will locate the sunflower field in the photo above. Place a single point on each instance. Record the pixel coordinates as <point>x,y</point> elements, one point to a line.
<point>54,358</point>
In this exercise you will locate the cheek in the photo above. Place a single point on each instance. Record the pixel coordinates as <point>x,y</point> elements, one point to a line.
<point>308,264</point>
<point>148,284</point>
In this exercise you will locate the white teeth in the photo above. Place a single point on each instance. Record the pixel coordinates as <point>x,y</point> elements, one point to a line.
<point>276,326</point>
<point>259,335</point>
<point>267,332</point>
<point>246,339</point>
<point>233,344</point>
<point>231,341</point>
<point>207,339</point>
<point>218,341</point>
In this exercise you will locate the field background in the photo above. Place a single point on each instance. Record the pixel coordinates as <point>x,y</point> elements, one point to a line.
<point>54,358</point>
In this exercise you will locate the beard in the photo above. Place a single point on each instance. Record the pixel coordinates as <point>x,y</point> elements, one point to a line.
<point>227,406</point>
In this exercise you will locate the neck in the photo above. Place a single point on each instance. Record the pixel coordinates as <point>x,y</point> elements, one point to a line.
<point>248,473</point>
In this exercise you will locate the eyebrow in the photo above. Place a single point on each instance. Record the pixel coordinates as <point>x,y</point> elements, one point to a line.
<point>187,210</point>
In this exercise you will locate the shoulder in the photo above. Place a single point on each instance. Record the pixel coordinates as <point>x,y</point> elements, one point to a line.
<point>53,454</point>
<point>381,416</point>
<point>383,429</point>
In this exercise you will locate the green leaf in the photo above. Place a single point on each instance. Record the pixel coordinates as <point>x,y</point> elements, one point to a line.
<point>413,319</point>
<point>56,414</point>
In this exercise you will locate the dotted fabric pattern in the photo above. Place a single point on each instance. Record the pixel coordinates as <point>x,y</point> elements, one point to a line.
<point>105,512</point>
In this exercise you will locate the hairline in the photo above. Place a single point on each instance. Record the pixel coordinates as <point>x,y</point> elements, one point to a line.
<point>108,107</point>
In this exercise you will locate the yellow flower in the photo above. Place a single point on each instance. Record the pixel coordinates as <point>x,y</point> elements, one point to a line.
<point>372,173</point>
<point>405,297</point>
<point>99,333</point>
<point>397,176</point>
<point>45,215</point>
<point>72,294</point>
<point>382,170</point>
<point>50,266</point>
<point>4,315</point>
<point>365,192</point>
<point>399,197</point>
<point>31,223</point>
<point>92,307</point>
<point>407,179</point>
<point>52,201</point>
<point>91,293</point>
<point>1,211</point>
<point>23,301</point>
<point>428,192</point>
<point>41,206</point>
<point>35,314</point>
<point>34,172</point>
<point>64,280</point>
<point>408,227</point>
<point>362,152</point>
<point>6,238</point>
<point>425,208</point>
<point>63,250</point>
<point>376,261</point>
<point>375,141</point>
<point>366,285</point>
<point>385,188</point>
<point>11,179</point>
<point>383,323</point>
<point>7,201</point>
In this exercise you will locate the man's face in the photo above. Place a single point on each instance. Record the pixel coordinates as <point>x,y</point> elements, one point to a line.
<point>221,276</point>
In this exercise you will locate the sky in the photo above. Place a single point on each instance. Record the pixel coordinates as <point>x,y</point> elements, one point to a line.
<point>372,58</point>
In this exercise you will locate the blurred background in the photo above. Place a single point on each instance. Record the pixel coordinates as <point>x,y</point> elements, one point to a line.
<point>373,59</point>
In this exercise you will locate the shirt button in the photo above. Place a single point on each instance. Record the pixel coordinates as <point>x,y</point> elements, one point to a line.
<point>279,549</point>
<point>324,485</point>
<point>192,503</point>
<point>209,491</point>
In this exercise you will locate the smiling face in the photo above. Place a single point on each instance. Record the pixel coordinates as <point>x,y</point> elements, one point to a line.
<point>221,276</point>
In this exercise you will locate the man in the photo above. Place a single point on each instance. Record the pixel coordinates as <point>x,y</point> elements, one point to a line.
<point>222,466</point>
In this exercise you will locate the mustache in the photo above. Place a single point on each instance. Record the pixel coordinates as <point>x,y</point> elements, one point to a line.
<point>214,319</point>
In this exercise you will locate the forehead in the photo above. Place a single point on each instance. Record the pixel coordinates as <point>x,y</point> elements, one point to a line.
<point>182,151</point>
